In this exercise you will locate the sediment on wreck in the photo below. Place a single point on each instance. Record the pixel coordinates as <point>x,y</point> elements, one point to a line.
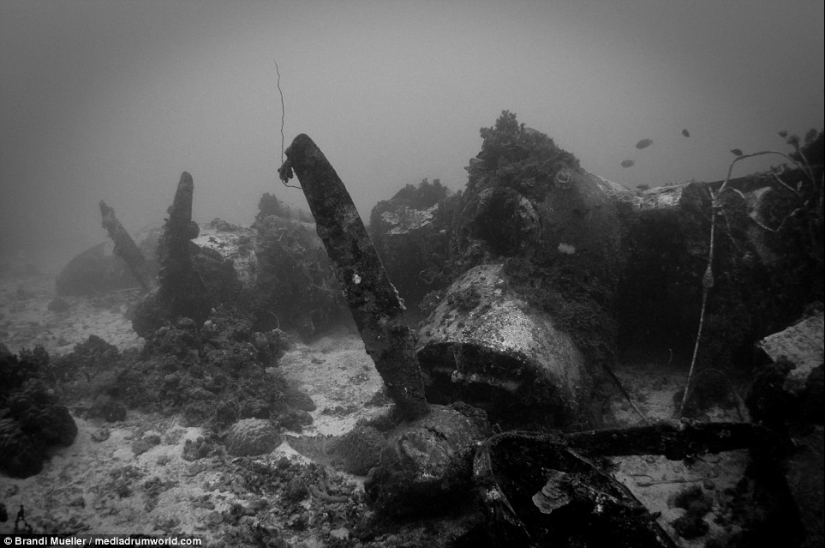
<point>410,233</point>
<point>372,299</point>
<point>125,247</point>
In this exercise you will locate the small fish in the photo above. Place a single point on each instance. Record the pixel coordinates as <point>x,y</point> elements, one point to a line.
<point>783,133</point>
<point>644,143</point>
<point>627,163</point>
<point>736,152</point>
<point>686,133</point>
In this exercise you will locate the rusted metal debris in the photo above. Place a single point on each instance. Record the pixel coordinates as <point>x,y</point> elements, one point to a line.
<point>676,441</point>
<point>518,472</point>
<point>125,247</point>
<point>372,299</point>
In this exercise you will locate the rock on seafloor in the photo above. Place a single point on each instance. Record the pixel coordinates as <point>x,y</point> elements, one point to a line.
<point>251,437</point>
<point>427,463</point>
<point>801,344</point>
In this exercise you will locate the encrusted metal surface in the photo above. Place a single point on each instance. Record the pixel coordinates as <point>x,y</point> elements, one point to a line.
<point>482,335</point>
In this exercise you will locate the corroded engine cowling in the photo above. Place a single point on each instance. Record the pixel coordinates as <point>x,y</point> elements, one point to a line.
<point>487,347</point>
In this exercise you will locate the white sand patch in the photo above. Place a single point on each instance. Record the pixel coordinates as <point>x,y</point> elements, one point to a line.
<point>103,487</point>
<point>339,376</point>
<point>26,321</point>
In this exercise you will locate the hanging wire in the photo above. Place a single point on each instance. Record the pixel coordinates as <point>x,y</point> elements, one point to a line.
<point>717,211</point>
<point>283,110</point>
<point>283,116</point>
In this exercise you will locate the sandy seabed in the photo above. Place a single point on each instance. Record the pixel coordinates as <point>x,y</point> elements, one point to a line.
<point>102,484</point>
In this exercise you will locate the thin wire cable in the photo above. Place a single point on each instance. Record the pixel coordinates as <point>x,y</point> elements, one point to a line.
<point>707,279</point>
<point>283,109</point>
<point>283,116</point>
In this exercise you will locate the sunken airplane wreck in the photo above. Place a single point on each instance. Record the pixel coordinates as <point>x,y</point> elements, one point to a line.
<point>536,288</point>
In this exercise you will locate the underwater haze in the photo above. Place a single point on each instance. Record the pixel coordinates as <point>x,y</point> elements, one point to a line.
<point>103,100</point>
